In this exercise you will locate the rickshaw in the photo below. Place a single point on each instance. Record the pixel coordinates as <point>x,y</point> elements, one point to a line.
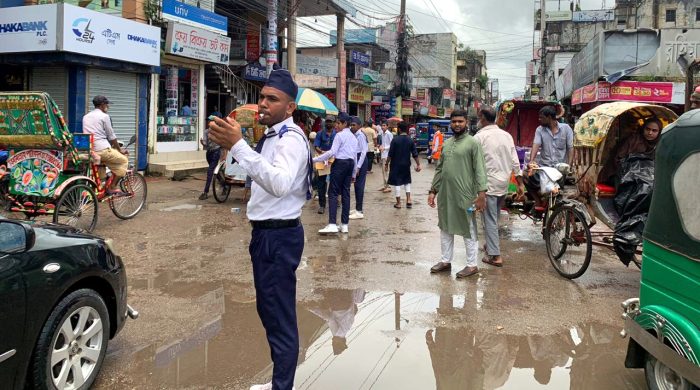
<point>569,212</point>
<point>53,172</point>
<point>664,322</point>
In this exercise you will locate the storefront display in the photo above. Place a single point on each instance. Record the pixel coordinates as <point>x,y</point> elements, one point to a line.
<point>178,105</point>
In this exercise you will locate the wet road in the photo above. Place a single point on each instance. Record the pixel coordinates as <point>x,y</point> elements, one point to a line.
<point>370,314</point>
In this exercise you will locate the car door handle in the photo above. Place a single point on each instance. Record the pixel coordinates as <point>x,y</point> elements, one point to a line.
<point>7,355</point>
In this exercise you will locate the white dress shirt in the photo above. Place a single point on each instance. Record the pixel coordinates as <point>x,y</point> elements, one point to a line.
<point>279,173</point>
<point>98,123</point>
<point>387,137</point>
<point>362,148</point>
<point>500,156</point>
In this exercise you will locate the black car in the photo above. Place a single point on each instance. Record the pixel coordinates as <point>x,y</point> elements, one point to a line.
<point>62,297</point>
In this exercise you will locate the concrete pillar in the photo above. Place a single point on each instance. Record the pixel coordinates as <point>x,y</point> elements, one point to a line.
<point>134,10</point>
<point>292,38</point>
<point>341,85</point>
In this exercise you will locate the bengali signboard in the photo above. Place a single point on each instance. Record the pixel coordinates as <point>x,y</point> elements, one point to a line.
<point>252,43</point>
<point>558,16</point>
<point>31,28</point>
<point>317,66</point>
<point>594,15</point>
<point>358,93</point>
<point>314,82</point>
<point>193,42</point>
<point>177,11</point>
<point>359,58</point>
<point>97,34</point>
<point>255,71</point>
<point>631,91</point>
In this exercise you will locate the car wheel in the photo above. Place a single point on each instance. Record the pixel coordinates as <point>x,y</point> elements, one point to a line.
<point>72,344</point>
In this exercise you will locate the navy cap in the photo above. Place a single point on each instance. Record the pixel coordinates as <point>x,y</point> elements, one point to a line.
<point>282,80</point>
<point>344,117</point>
<point>356,120</point>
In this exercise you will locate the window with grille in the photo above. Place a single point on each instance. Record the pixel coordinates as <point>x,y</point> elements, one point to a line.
<point>670,16</point>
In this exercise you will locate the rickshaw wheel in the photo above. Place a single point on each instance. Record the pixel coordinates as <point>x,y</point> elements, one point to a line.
<point>568,239</point>
<point>126,207</point>
<point>77,207</point>
<point>220,188</point>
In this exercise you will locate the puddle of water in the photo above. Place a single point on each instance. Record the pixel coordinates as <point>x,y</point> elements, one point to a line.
<point>181,207</point>
<point>381,340</point>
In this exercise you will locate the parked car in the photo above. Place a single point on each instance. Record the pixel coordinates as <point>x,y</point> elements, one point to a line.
<point>62,297</point>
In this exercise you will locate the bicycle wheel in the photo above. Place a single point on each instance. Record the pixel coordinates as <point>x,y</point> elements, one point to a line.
<point>568,240</point>
<point>220,187</point>
<point>77,207</point>
<point>126,207</point>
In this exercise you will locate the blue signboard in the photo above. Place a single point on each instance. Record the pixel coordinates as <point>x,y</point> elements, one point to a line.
<point>187,14</point>
<point>360,58</point>
<point>255,71</point>
<point>366,35</point>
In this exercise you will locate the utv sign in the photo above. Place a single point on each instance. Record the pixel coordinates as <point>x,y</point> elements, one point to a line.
<point>26,29</point>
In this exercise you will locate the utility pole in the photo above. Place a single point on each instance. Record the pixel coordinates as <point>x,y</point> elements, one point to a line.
<point>340,86</point>
<point>271,47</point>
<point>543,43</point>
<point>401,87</point>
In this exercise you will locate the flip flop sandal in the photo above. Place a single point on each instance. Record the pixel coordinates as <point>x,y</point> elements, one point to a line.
<point>409,205</point>
<point>397,206</point>
<point>488,261</point>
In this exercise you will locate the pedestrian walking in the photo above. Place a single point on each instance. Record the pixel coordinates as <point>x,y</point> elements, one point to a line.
<point>322,144</point>
<point>502,162</point>
<point>280,167</point>
<point>213,155</point>
<point>386,137</point>
<point>344,149</point>
<point>460,186</point>
<point>399,162</point>
<point>438,141</point>
<point>371,135</point>
<point>362,167</point>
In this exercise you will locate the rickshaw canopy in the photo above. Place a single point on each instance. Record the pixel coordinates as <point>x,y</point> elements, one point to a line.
<point>674,215</point>
<point>593,126</point>
<point>520,118</point>
<point>31,120</point>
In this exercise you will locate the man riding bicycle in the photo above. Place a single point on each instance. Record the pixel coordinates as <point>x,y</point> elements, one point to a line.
<point>98,123</point>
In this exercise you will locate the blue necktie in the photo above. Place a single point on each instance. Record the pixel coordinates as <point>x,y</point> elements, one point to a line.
<point>259,146</point>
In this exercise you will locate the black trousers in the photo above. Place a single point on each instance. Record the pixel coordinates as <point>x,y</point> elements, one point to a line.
<point>370,158</point>
<point>275,254</point>
<point>213,160</point>
<point>341,177</point>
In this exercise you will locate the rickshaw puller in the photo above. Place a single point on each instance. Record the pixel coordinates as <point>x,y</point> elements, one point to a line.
<point>98,123</point>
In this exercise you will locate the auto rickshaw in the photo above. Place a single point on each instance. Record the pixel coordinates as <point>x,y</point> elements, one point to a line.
<point>664,322</point>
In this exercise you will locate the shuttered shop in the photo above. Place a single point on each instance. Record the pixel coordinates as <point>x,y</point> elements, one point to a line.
<point>54,81</point>
<point>122,90</point>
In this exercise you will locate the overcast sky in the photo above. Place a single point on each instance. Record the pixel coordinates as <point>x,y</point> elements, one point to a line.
<point>504,28</point>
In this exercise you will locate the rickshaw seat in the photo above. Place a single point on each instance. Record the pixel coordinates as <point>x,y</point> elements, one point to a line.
<point>606,191</point>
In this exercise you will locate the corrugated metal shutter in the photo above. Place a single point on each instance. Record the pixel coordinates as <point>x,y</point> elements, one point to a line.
<point>121,90</point>
<point>54,81</point>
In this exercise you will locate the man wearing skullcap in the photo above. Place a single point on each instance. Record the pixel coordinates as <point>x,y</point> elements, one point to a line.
<point>280,167</point>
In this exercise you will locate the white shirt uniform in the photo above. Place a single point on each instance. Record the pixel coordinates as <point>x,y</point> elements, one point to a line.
<point>279,173</point>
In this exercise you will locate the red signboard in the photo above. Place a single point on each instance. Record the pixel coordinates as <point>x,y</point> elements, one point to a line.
<point>637,91</point>
<point>577,96</point>
<point>432,111</point>
<point>590,93</point>
<point>252,46</point>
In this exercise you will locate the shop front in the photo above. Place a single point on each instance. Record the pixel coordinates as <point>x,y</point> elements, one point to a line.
<point>74,54</point>
<point>178,114</point>
<point>360,100</point>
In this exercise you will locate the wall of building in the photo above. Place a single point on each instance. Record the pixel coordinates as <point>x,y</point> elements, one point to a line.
<point>434,55</point>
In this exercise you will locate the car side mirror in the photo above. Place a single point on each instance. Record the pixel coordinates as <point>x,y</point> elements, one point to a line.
<point>15,237</point>
<point>132,140</point>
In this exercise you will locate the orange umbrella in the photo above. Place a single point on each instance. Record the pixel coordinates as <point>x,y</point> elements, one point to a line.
<point>394,119</point>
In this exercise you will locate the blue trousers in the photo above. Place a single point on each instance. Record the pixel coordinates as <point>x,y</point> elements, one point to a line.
<point>360,181</point>
<point>213,160</point>
<point>341,177</point>
<point>276,254</point>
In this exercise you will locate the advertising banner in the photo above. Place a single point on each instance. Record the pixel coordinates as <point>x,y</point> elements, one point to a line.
<point>314,82</point>
<point>31,28</point>
<point>577,97</point>
<point>255,71</point>
<point>594,15</point>
<point>358,93</point>
<point>317,66</point>
<point>176,11</point>
<point>193,42</point>
<point>97,34</point>
<point>558,16</point>
<point>637,91</point>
